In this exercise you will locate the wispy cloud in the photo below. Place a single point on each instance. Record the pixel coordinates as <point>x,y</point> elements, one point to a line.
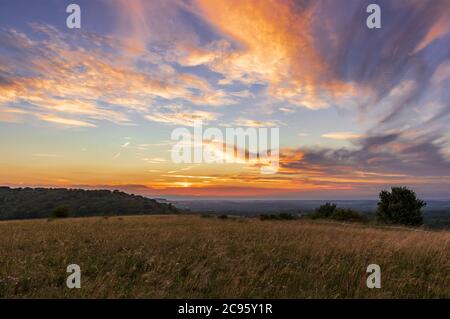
<point>342,135</point>
<point>255,123</point>
<point>65,121</point>
<point>126,144</point>
<point>178,115</point>
<point>92,81</point>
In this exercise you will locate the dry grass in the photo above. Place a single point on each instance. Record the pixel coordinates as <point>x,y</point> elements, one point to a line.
<point>189,256</point>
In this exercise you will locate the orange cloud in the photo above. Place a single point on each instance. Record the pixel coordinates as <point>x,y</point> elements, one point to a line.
<point>438,30</point>
<point>342,135</point>
<point>92,84</point>
<point>65,121</point>
<point>275,46</point>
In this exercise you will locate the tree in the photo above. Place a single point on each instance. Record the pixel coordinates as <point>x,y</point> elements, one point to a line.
<point>400,206</point>
<point>324,211</point>
<point>61,212</point>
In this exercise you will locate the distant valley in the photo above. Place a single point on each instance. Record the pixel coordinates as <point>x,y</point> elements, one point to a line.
<point>436,213</point>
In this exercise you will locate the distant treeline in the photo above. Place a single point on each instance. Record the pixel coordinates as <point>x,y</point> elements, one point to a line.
<point>400,206</point>
<point>23,203</point>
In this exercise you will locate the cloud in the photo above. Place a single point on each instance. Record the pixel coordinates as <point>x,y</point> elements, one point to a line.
<point>342,135</point>
<point>399,156</point>
<point>442,72</point>
<point>126,144</point>
<point>194,56</point>
<point>273,44</point>
<point>178,115</point>
<point>437,31</point>
<point>142,23</point>
<point>65,78</point>
<point>255,123</point>
<point>8,114</point>
<point>65,121</point>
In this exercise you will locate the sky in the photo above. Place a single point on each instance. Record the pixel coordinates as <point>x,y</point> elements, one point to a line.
<point>358,110</point>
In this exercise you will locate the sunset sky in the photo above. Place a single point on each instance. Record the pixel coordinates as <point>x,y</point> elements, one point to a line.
<point>358,109</point>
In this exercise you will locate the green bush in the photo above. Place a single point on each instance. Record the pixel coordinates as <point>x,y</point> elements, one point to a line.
<point>61,212</point>
<point>400,206</point>
<point>331,211</point>
<point>347,214</point>
<point>324,211</point>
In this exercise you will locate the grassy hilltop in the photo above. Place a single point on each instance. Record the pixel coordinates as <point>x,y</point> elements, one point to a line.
<point>193,257</point>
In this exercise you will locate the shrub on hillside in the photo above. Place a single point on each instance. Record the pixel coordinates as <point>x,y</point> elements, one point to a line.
<point>331,211</point>
<point>324,211</point>
<point>347,214</point>
<point>61,212</point>
<point>400,206</point>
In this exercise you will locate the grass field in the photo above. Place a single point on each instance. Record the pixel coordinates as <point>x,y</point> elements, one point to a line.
<point>194,257</point>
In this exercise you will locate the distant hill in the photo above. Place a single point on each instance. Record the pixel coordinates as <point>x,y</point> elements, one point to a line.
<point>24,203</point>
